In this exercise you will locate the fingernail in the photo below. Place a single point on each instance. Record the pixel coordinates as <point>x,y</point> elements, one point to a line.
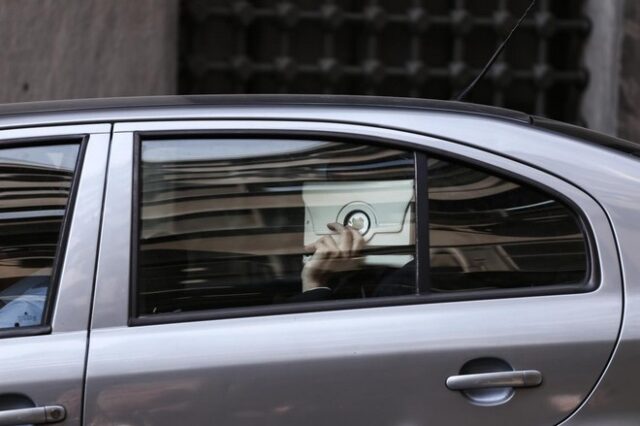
<point>331,226</point>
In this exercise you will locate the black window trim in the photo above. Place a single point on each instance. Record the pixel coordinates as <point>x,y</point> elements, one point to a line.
<point>81,141</point>
<point>421,156</point>
<point>423,263</point>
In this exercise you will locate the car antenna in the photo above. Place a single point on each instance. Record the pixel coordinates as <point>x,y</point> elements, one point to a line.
<point>497,53</point>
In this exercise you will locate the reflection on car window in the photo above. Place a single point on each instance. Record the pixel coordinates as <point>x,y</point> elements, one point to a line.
<point>488,232</point>
<point>238,222</point>
<point>35,183</point>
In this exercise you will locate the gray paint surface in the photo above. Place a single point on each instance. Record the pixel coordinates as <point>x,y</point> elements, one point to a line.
<point>374,366</point>
<point>49,369</point>
<point>57,49</point>
<point>73,311</point>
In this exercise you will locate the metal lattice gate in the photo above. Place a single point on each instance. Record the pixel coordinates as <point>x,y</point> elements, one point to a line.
<point>418,48</point>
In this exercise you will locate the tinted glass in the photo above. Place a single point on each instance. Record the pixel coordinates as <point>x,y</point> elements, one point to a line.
<point>238,223</point>
<point>35,183</point>
<point>488,232</point>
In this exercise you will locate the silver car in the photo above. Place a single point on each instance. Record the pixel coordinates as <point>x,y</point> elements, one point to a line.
<point>314,260</point>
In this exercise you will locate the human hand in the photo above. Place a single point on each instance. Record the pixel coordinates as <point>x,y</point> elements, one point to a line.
<point>332,253</point>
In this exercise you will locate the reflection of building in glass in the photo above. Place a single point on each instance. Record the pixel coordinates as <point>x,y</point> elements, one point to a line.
<point>35,184</point>
<point>230,232</point>
<point>487,231</point>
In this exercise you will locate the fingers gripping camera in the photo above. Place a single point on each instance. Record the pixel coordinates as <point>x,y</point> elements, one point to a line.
<point>380,210</point>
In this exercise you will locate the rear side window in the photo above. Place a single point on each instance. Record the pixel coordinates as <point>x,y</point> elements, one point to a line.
<point>227,223</point>
<point>241,223</point>
<point>489,232</point>
<point>35,185</point>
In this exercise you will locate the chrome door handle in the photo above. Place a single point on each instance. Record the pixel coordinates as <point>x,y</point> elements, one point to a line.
<point>503,379</point>
<point>36,415</point>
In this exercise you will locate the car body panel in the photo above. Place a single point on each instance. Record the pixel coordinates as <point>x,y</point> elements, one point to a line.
<point>376,365</point>
<point>73,300</point>
<point>49,369</point>
<point>110,304</point>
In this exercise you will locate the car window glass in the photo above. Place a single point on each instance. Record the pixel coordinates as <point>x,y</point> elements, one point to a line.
<point>35,184</point>
<point>227,223</point>
<point>491,232</point>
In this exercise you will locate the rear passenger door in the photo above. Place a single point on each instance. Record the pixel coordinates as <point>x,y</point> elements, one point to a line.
<point>51,183</point>
<point>320,273</point>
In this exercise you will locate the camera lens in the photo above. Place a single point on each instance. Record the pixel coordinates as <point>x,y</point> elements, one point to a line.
<point>359,221</point>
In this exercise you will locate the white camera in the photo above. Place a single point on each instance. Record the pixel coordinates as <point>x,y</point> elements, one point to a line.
<point>380,210</point>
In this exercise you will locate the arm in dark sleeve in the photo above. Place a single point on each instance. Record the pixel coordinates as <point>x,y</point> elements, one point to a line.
<point>313,295</point>
<point>401,282</point>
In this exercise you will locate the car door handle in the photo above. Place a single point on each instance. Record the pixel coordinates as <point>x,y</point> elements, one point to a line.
<point>36,415</point>
<point>503,379</point>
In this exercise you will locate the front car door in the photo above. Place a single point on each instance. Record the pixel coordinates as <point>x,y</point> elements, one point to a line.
<point>51,184</point>
<point>205,311</point>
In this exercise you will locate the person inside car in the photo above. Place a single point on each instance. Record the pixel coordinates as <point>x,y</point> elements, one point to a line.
<point>341,253</point>
<point>22,304</point>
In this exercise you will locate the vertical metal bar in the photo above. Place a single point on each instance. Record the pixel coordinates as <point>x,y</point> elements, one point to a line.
<point>416,54</point>
<point>458,44</point>
<point>372,53</point>
<point>498,93</point>
<point>541,96</point>
<point>328,41</point>
<point>285,44</point>
<point>241,52</point>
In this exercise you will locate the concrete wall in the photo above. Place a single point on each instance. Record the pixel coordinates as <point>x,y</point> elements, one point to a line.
<point>58,49</point>
<point>602,56</point>
<point>611,103</point>
<point>629,92</point>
